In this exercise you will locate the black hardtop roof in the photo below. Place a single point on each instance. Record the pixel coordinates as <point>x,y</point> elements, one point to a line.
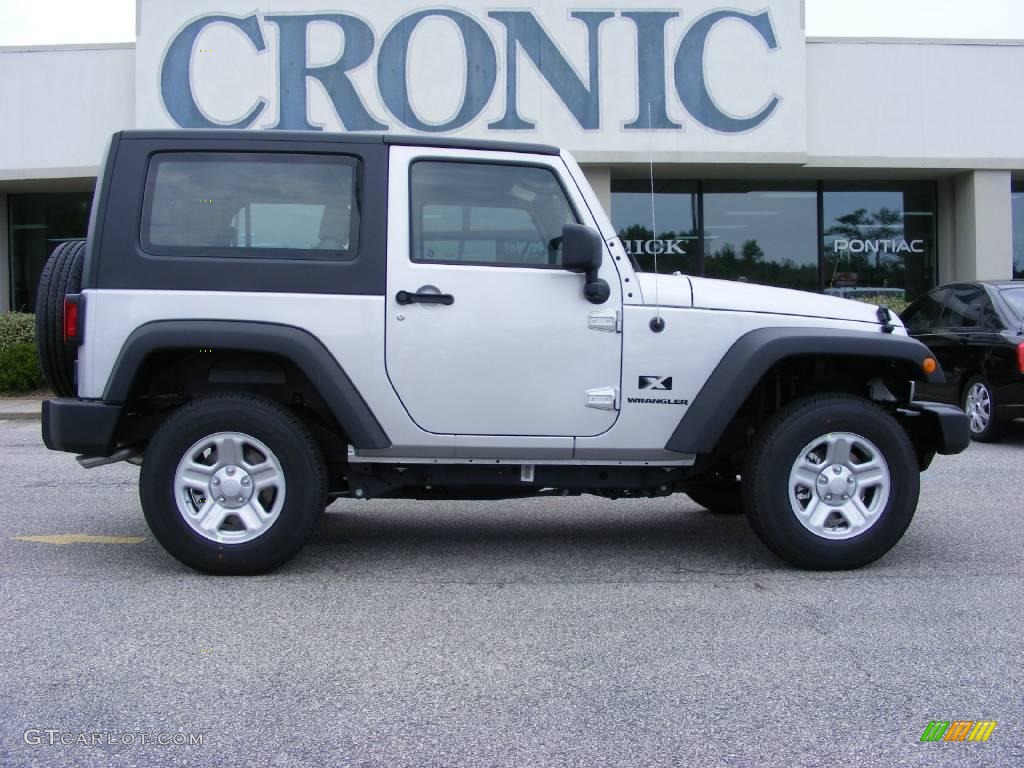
<point>348,138</point>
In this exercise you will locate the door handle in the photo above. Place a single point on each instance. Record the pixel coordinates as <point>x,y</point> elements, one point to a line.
<point>406,297</point>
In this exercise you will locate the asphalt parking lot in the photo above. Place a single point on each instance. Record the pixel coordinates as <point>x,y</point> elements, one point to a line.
<point>576,632</point>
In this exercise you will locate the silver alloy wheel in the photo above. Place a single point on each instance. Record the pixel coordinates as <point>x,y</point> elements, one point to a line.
<point>229,487</point>
<point>839,485</point>
<point>978,406</point>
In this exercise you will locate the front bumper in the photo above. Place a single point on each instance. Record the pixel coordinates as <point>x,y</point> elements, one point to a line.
<point>80,426</point>
<point>945,427</point>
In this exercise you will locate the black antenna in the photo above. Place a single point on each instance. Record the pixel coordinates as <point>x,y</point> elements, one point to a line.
<point>657,323</point>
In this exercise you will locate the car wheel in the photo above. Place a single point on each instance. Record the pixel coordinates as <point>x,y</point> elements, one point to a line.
<point>718,494</point>
<point>232,484</point>
<point>980,406</point>
<point>831,482</point>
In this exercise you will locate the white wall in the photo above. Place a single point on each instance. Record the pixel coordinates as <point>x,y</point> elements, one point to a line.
<point>947,106</point>
<point>228,72</point>
<point>912,104</point>
<point>915,104</point>
<point>600,179</point>
<point>59,107</point>
<point>984,226</point>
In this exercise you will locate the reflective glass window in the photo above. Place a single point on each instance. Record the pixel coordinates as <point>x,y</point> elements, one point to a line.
<point>879,239</point>
<point>38,223</point>
<point>664,234</point>
<point>762,233</point>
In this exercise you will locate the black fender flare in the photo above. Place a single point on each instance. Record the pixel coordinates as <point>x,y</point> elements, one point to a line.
<point>300,347</point>
<point>754,354</point>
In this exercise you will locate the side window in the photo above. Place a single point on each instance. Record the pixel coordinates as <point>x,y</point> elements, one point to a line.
<point>963,307</point>
<point>924,313</point>
<point>251,204</point>
<point>990,319</point>
<point>487,213</point>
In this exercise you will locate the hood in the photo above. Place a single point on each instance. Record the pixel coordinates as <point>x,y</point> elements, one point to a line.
<point>669,291</point>
<point>705,293</point>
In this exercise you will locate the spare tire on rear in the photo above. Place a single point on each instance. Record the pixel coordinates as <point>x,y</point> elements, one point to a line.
<point>61,276</point>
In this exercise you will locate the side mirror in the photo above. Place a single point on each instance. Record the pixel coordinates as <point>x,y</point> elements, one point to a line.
<point>583,251</point>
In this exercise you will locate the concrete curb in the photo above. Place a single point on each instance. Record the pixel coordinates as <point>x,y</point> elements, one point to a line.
<point>21,408</point>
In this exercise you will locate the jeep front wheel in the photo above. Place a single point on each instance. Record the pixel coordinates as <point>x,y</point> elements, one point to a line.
<point>832,482</point>
<point>232,484</point>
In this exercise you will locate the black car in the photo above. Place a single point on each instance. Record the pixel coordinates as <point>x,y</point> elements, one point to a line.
<point>976,331</point>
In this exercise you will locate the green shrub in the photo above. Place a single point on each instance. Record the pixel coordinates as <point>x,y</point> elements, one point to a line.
<point>19,369</point>
<point>896,304</point>
<point>17,328</point>
<point>19,362</point>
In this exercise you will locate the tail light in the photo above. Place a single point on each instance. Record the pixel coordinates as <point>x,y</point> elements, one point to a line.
<point>1020,358</point>
<point>72,319</point>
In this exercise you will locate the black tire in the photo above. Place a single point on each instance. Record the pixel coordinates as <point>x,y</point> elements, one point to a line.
<point>62,274</point>
<point>717,494</point>
<point>780,443</point>
<point>302,466</point>
<point>993,430</point>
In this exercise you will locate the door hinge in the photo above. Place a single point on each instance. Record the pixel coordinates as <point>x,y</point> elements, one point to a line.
<point>611,322</point>
<point>603,398</point>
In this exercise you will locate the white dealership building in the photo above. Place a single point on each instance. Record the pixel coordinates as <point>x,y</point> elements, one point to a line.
<point>885,165</point>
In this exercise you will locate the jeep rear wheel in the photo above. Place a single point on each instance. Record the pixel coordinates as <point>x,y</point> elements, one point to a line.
<point>61,276</point>
<point>832,482</point>
<point>232,484</point>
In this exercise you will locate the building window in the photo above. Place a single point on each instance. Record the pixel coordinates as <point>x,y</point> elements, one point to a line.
<point>38,223</point>
<point>856,240</point>
<point>1018,230</point>
<point>675,245</point>
<point>879,239</point>
<point>762,233</point>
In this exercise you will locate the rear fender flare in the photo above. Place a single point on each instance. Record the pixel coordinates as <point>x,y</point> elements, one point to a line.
<point>300,347</point>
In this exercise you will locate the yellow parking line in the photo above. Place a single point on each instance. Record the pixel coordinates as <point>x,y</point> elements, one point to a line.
<point>80,538</point>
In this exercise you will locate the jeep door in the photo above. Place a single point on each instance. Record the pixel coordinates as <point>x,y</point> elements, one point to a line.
<point>508,345</point>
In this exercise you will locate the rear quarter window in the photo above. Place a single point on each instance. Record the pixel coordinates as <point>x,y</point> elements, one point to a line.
<point>1015,298</point>
<point>251,205</point>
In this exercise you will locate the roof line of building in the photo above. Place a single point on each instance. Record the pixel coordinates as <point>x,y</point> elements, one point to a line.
<point>811,39</point>
<point>916,40</point>
<point>65,47</point>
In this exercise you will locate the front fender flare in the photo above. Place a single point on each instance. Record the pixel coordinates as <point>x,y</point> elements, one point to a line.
<point>295,344</point>
<point>754,354</point>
